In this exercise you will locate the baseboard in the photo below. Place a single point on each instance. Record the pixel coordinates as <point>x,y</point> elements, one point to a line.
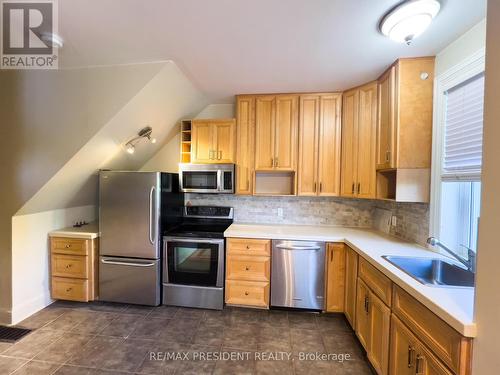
<point>22,311</point>
<point>5,316</point>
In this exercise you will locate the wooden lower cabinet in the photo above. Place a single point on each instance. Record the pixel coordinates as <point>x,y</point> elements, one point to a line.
<point>335,272</point>
<point>372,327</point>
<point>409,356</point>
<point>248,272</point>
<point>351,278</point>
<point>73,269</point>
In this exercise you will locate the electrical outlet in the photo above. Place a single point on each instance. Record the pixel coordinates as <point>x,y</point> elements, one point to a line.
<point>394,220</point>
<point>280,212</point>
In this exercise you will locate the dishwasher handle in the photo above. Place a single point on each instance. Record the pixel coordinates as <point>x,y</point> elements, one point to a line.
<point>285,247</point>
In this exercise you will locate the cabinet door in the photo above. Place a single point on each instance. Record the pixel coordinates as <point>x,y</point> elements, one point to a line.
<point>380,317</point>
<point>265,108</point>
<point>363,322</point>
<point>366,141</point>
<point>349,143</point>
<point>202,143</point>
<point>223,138</point>
<point>245,153</point>
<point>329,145</point>
<point>386,117</point>
<point>427,363</point>
<point>403,349</point>
<point>308,145</point>
<point>351,276</point>
<point>286,142</point>
<point>335,277</point>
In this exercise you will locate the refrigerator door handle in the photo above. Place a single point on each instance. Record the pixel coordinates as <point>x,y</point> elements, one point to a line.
<point>151,221</point>
<point>132,264</point>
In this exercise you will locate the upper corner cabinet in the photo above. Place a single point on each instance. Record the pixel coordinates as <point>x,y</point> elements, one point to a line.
<point>359,113</point>
<point>212,141</point>
<point>245,141</point>
<point>319,144</point>
<point>404,130</point>
<point>276,132</point>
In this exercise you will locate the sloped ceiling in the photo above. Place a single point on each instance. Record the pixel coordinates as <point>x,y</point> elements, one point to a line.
<point>166,96</point>
<point>228,47</point>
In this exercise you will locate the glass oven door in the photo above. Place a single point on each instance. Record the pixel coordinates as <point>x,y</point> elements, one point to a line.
<point>194,262</point>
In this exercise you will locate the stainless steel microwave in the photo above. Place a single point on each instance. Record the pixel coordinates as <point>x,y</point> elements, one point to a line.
<point>207,178</point>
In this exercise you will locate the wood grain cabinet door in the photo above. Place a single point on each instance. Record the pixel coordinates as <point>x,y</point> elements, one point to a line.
<point>380,316</point>
<point>366,141</point>
<point>202,143</point>
<point>329,145</point>
<point>265,108</point>
<point>335,287</point>
<point>403,349</point>
<point>308,145</point>
<point>363,322</point>
<point>286,132</point>
<point>245,136</point>
<point>386,119</point>
<point>223,140</point>
<point>351,277</point>
<point>350,111</point>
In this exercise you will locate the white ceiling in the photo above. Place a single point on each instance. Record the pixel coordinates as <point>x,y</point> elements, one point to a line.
<point>228,47</point>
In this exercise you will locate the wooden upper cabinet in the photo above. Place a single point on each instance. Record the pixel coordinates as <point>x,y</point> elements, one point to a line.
<point>319,144</point>
<point>213,141</point>
<point>265,110</point>
<point>386,120</point>
<point>359,141</point>
<point>245,138</point>
<point>335,289</point>
<point>276,132</point>
<point>404,130</point>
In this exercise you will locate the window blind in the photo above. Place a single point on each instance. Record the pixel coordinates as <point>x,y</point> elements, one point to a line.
<point>463,135</point>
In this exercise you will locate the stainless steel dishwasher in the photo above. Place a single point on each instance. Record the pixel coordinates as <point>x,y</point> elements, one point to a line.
<point>298,274</point>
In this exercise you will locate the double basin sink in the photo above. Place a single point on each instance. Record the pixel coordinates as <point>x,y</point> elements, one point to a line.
<point>433,271</point>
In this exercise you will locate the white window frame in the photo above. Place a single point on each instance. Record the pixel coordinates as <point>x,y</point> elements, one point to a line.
<point>463,71</point>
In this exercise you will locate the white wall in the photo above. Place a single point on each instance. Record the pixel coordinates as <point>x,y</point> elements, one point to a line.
<point>486,359</point>
<point>167,158</point>
<point>30,256</point>
<point>470,42</point>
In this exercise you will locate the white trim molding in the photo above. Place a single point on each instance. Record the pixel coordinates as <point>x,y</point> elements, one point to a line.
<point>459,73</point>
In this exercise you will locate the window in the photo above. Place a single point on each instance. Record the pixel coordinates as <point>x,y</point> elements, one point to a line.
<point>457,155</point>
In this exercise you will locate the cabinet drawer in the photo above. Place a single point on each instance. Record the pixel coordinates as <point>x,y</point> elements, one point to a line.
<point>247,246</point>
<point>251,268</point>
<point>69,289</point>
<point>247,293</point>
<point>446,343</point>
<point>72,246</point>
<point>376,280</point>
<point>69,266</point>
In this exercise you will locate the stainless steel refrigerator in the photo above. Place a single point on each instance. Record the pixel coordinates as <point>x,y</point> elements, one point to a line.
<point>135,208</point>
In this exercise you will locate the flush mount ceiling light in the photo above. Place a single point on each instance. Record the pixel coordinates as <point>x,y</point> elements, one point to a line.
<point>409,19</point>
<point>144,133</point>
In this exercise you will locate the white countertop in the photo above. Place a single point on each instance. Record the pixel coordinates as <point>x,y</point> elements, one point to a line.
<point>89,232</point>
<point>453,305</point>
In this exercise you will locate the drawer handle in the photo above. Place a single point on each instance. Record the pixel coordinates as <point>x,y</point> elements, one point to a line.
<point>69,289</point>
<point>67,246</point>
<point>69,265</point>
<point>247,268</point>
<point>246,293</point>
<point>248,247</point>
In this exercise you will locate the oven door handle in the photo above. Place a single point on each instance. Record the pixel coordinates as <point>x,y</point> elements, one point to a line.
<point>131,264</point>
<point>194,240</point>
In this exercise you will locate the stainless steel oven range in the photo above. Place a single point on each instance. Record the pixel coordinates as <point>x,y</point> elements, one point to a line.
<point>193,258</point>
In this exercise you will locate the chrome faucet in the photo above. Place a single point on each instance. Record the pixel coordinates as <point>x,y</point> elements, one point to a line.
<point>470,263</point>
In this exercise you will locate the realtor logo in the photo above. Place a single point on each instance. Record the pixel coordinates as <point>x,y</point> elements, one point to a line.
<point>29,34</point>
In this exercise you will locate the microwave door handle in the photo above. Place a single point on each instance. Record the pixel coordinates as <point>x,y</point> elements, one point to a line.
<point>151,221</point>
<point>220,179</point>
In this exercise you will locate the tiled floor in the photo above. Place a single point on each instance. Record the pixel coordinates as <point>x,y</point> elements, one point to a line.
<point>107,339</point>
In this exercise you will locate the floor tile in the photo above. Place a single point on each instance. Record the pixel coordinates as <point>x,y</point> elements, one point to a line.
<point>33,344</point>
<point>275,318</point>
<point>302,320</point>
<point>328,323</point>
<point>95,352</point>
<point>73,370</point>
<point>243,366</point>
<point>273,367</point>
<point>138,310</point>
<point>122,326</point>
<point>70,319</point>
<point>94,323</point>
<point>209,335</point>
<point>9,365</point>
<point>127,356</point>
<point>4,346</point>
<point>352,368</point>
<point>63,349</point>
<point>343,343</point>
<point>158,362</point>
<point>108,306</point>
<point>244,338</point>
<point>187,313</point>
<point>42,318</point>
<point>38,368</point>
<point>149,328</point>
<point>166,312</point>
<point>306,340</point>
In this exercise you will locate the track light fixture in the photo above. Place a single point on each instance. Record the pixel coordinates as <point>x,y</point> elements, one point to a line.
<point>144,133</point>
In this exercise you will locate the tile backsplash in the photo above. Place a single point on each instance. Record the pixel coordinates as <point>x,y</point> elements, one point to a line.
<point>412,219</point>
